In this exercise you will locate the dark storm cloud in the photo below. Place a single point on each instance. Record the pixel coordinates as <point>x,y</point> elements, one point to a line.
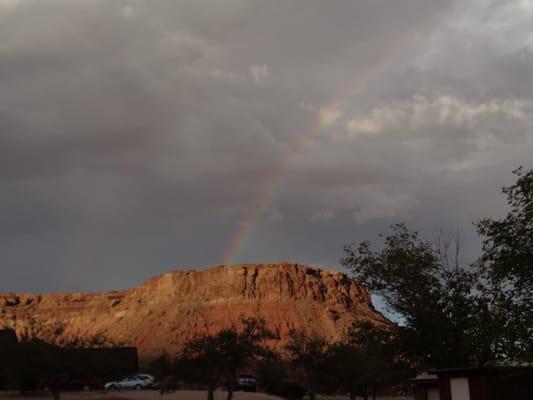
<point>135,135</point>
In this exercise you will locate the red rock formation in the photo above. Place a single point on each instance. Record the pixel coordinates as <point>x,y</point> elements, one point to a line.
<point>162,313</point>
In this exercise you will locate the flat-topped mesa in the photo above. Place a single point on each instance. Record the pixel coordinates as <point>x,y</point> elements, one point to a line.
<point>165,311</point>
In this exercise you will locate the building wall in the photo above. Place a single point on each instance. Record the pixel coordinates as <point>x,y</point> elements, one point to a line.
<point>512,386</point>
<point>473,391</point>
<point>7,337</point>
<point>433,393</point>
<point>491,385</point>
<point>420,392</point>
<point>479,387</point>
<point>8,344</point>
<point>427,391</point>
<point>444,388</point>
<point>36,358</point>
<point>460,388</point>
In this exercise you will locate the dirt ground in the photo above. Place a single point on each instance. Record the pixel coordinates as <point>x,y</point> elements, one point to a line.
<point>154,395</point>
<point>136,395</point>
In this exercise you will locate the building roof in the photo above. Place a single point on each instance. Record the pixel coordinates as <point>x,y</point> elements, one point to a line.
<point>425,376</point>
<point>492,369</point>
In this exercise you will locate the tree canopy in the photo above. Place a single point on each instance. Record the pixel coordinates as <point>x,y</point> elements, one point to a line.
<point>436,301</point>
<point>456,314</point>
<point>218,357</point>
<point>508,242</point>
<point>308,352</point>
<point>507,262</point>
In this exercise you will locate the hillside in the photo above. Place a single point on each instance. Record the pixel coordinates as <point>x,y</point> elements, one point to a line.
<point>159,315</point>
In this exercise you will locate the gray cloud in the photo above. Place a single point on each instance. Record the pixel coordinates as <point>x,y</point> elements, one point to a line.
<point>136,135</point>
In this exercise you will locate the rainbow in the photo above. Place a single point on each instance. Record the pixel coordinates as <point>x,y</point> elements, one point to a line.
<point>336,110</point>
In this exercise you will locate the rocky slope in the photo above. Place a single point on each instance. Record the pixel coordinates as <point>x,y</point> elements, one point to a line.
<point>162,313</point>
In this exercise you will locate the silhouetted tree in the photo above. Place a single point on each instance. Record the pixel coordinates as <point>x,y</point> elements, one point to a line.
<point>165,370</point>
<point>345,367</point>
<point>274,377</point>
<point>376,345</point>
<point>439,301</point>
<point>363,361</point>
<point>308,352</point>
<point>222,355</point>
<point>161,366</point>
<point>507,267</point>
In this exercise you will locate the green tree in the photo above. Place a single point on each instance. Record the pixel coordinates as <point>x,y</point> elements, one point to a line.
<point>508,244</point>
<point>375,349</point>
<point>438,299</point>
<point>507,264</point>
<point>345,366</point>
<point>219,357</point>
<point>308,352</point>
<point>275,378</point>
<point>364,361</point>
<point>166,371</point>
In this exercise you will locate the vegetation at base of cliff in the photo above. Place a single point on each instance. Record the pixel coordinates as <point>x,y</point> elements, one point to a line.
<point>456,314</point>
<point>211,360</point>
<point>360,365</point>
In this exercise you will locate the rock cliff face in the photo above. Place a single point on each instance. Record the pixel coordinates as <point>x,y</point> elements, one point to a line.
<point>165,311</point>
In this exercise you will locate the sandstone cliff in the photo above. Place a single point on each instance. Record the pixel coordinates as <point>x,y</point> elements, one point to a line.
<point>162,313</point>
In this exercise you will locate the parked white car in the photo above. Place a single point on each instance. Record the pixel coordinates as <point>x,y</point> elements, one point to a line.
<point>136,382</point>
<point>149,378</point>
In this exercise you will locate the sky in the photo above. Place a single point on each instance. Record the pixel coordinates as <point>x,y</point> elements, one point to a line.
<point>140,137</point>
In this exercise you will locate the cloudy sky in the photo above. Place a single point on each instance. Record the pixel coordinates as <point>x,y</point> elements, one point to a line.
<point>138,137</point>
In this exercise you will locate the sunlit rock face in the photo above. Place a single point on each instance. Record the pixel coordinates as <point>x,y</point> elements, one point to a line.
<point>164,312</point>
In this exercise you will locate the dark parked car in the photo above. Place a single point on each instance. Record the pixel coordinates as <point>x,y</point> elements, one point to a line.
<point>69,383</point>
<point>247,383</point>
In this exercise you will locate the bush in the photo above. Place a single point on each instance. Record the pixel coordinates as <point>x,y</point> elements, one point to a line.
<point>286,390</point>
